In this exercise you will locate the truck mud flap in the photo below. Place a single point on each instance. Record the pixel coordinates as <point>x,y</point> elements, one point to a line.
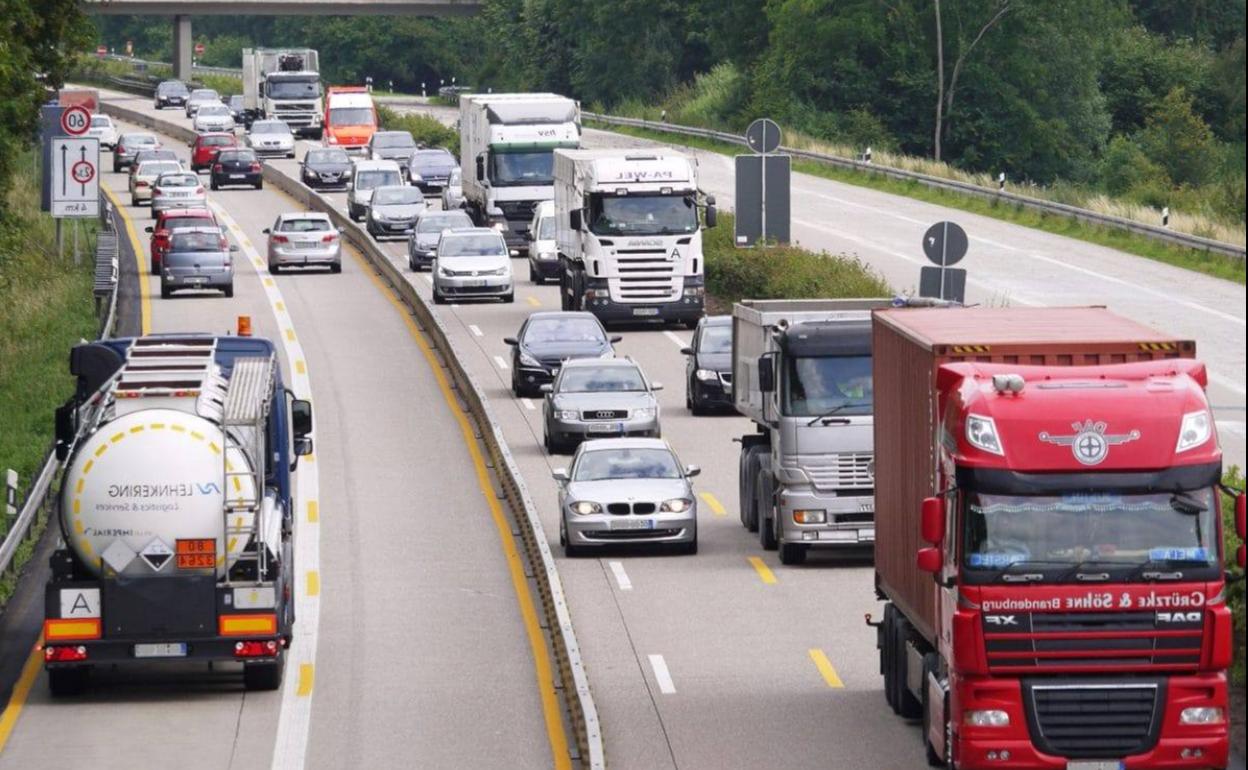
<point>160,608</point>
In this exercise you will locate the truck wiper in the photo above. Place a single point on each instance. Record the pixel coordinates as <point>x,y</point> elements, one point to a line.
<point>1160,570</point>
<point>834,410</point>
<point>1077,571</point>
<point>1008,575</point>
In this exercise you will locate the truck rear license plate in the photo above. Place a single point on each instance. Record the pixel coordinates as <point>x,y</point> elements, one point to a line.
<point>166,650</point>
<point>632,524</point>
<point>1083,764</point>
<point>645,311</point>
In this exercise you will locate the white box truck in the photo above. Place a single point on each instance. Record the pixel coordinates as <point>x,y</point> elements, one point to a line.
<point>285,84</point>
<point>629,235</point>
<point>506,143</point>
<point>801,371</point>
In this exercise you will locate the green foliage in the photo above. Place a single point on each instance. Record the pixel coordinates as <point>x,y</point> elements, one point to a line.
<point>1176,138</point>
<point>1234,479</point>
<point>423,128</point>
<point>224,51</point>
<point>225,85</point>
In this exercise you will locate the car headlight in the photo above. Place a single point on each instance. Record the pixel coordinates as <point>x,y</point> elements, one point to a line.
<point>528,360</point>
<point>1202,715</point>
<point>678,505</point>
<point>566,414</point>
<point>810,516</point>
<point>988,718</point>
<point>499,271</point>
<point>375,214</point>
<point>706,375</point>
<point>547,256</point>
<point>1196,429</point>
<point>445,273</point>
<point>585,507</point>
<point>332,139</point>
<point>644,413</point>
<point>981,432</point>
<point>417,177</point>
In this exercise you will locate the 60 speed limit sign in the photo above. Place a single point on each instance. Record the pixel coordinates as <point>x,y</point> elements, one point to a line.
<point>76,120</point>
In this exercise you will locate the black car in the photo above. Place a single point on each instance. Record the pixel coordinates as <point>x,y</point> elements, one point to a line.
<point>171,93</point>
<point>326,169</point>
<point>237,167</point>
<point>430,170</point>
<point>238,111</point>
<point>708,373</point>
<point>549,338</point>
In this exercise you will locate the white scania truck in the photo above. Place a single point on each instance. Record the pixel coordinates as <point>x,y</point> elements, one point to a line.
<point>175,513</point>
<point>506,143</point>
<point>629,235</point>
<point>284,84</point>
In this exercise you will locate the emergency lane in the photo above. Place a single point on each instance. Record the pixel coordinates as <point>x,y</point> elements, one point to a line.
<point>405,619</point>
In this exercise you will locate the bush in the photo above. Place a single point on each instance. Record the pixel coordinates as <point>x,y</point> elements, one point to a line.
<point>424,129</point>
<point>782,272</point>
<point>1234,592</point>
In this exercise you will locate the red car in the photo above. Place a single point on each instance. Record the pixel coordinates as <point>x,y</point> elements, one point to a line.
<point>204,150</point>
<point>178,219</point>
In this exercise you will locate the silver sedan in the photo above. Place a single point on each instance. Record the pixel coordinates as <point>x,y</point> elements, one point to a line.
<point>271,139</point>
<point>178,190</point>
<point>630,491</point>
<point>598,398</point>
<point>304,239</point>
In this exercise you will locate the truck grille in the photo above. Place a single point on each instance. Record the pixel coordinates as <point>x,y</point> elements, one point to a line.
<point>1091,720</point>
<point>851,470</point>
<point>646,275</point>
<point>518,210</point>
<point>1092,641</point>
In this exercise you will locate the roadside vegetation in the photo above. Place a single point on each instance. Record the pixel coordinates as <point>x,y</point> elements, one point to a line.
<point>424,129</point>
<point>1234,479</point>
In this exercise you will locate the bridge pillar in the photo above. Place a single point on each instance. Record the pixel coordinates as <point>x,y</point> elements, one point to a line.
<point>183,48</point>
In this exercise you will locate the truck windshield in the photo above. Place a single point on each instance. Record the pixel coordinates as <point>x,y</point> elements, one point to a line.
<point>514,169</point>
<point>294,89</point>
<point>351,116</point>
<point>815,386</point>
<point>1059,535</point>
<point>642,214</point>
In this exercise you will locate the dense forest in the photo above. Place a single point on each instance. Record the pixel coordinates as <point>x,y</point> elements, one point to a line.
<point>1139,99</point>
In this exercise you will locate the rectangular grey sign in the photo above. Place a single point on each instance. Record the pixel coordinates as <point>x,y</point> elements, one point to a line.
<point>951,286</point>
<point>750,212</point>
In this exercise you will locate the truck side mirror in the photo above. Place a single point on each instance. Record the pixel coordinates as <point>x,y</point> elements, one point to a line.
<point>930,560</point>
<point>766,374</point>
<point>480,168</point>
<point>300,417</point>
<point>575,220</point>
<point>712,215</point>
<point>932,520</point>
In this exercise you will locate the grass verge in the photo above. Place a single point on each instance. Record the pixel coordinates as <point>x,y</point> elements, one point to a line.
<point>1214,265</point>
<point>423,128</point>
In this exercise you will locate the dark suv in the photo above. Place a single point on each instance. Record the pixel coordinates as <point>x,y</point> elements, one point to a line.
<point>171,93</point>
<point>235,167</point>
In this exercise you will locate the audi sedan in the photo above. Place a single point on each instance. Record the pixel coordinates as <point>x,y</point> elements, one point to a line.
<point>304,239</point>
<point>549,338</point>
<point>213,118</point>
<point>198,98</point>
<point>626,491</point>
<point>178,190</point>
<point>271,139</point>
<point>598,398</point>
<point>171,93</point>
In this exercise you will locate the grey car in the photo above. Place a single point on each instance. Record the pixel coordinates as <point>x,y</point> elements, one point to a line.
<point>198,98</point>
<point>304,239</point>
<point>430,169</point>
<point>128,146</point>
<point>423,241</point>
<point>392,211</point>
<point>271,139</point>
<point>626,491</point>
<point>391,145</point>
<point>326,169</point>
<point>196,260</point>
<point>598,398</point>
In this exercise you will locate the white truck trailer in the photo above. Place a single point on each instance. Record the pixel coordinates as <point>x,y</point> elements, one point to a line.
<point>629,235</point>
<point>801,372</point>
<point>284,84</point>
<point>506,143</point>
<point>175,514</point>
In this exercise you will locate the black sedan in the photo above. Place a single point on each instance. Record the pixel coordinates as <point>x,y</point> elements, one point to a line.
<point>236,167</point>
<point>549,338</point>
<point>708,373</point>
<point>238,110</point>
<point>328,169</point>
<point>171,93</point>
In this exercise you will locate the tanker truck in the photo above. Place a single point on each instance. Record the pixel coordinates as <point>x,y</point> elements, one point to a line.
<point>175,511</point>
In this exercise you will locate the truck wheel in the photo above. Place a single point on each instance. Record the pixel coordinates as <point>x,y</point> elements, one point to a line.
<point>766,506</point>
<point>264,676</point>
<point>792,554</point>
<point>748,504</point>
<point>64,682</point>
<point>906,705</point>
<point>930,663</point>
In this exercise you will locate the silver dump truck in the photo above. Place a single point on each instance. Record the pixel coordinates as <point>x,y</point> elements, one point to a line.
<point>802,372</point>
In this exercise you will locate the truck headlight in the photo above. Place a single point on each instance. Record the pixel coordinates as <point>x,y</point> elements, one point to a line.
<point>988,718</point>
<point>1202,715</point>
<point>1196,429</point>
<point>585,507</point>
<point>706,375</point>
<point>981,432</point>
<point>678,505</point>
<point>695,291</point>
<point>810,517</point>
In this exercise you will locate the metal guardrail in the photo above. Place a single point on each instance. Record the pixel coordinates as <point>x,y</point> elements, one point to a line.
<point>573,679</point>
<point>228,71</point>
<point>1231,250</point>
<point>105,292</point>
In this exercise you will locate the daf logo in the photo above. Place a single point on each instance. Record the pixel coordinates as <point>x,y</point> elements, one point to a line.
<point>1178,617</point>
<point>1090,443</point>
<point>1001,620</point>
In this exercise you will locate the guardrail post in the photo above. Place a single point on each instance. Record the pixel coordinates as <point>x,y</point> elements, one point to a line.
<point>10,492</point>
<point>1165,217</point>
<point>1001,182</point>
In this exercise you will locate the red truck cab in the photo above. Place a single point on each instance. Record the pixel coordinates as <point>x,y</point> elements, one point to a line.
<point>206,146</point>
<point>350,117</point>
<point>1049,540</point>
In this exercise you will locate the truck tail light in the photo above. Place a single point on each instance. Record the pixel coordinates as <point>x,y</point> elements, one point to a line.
<point>265,649</point>
<point>64,653</point>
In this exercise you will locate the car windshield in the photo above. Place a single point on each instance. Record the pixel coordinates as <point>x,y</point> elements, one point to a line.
<point>101,121</point>
<point>433,160</point>
<point>601,379</point>
<point>172,89</point>
<point>350,116</point>
<point>158,167</point>
<point>178,180</point>
<point>612,464</point>
<point>237,156</point>
<point>194,241</point>
<point>546,229</point>
<point>393,140</point>
<point>270,127</point>
<point>818,385</point>
<point>1110,529</point>
<point>549,330</point>
<point>216,141</point>
<point>235,102</point>
<point>484,245</point>
<point>643,214</point>
<point>211,110</point>
<point>304,225</point>
<point>327,157</point>
<point>294,89</point>
<point>182,223</point>
<point>204,94</point>
<point>397,196</point>
<point>437,224</point>
<point>716,339</point>
<point>521,168</point>
<point>138,140</point>
<point>367,180</point>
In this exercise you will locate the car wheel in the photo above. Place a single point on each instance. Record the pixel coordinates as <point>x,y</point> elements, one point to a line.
<point>212,184</point>
<point>336,267</point>
<point>690,548</point>
<point>438,299</point>
<point>264,676</point>
<point>573,551</point>
<point>260,184</point>
<point>792,554</point>
<point>509,297</point>
<point>228,291</point>
<point>274,269</point>
<point>165,292</point>
<point>155,268</point>
<point>63,682</point>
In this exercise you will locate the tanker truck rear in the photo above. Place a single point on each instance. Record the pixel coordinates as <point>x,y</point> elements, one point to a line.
<point>175,511</point>
<point>1049,540</point>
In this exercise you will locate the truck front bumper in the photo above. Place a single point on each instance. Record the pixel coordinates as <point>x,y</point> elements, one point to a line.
<point>687,309</point>
<point>847,521</point>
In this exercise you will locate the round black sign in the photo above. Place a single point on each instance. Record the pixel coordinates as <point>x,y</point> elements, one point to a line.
<point>944,243</point>
<point>763,135</point>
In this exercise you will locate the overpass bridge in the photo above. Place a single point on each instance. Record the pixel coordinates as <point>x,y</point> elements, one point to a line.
<point>183,10</point>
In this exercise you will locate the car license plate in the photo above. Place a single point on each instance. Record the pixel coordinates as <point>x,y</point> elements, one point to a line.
<point>1083,764</point>
<point>166,650</point>
<point>646,311</point>
<point>196,279</point>
<point>475,283</point>
<point>238,176</point>
<point>633,524</point>
<point>606,427</point>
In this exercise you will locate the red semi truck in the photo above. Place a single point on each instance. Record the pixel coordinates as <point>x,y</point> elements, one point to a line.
<point>1048,540</point>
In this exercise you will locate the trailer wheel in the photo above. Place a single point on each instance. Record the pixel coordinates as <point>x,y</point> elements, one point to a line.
<point>906,705</point>
<point>264,676</point>
<point>930,662</point>
<point>66,682</point>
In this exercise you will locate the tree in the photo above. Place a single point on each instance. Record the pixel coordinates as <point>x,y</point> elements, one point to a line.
<point>990,17</point>
<point>1178,140</point>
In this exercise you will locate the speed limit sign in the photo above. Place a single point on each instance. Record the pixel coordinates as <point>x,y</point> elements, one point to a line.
<point>76,120</point>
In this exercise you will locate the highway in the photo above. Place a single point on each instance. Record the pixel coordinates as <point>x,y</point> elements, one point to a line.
<point>421,649</point>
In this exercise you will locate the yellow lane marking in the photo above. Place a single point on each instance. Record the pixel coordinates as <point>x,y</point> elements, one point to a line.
<point>716,507</point>
<point>145,291</point>
<point>21,690</point>
<point>534,301</point>
<point>314,582</point>
<point>279,305</point>
<point>290,334</point>
<point>268,282</point>
<point>301,367</point>
<point>764,572</point>
<point>551,710</point>
<point>314,515</point>
<point>306,675</point>
<point>826,668</point>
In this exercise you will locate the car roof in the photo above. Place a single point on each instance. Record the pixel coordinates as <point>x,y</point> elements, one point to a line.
<point>435,213</point>
<point>466,231</point>
<point>716,320</point>
<point>408,134</point>
<point>139,135</point>
<point>201,230</point>
<point>377,165</point>
<point>548,314</point>
<point>275,121</point>
<point>207,134</point>
<point>175,213</point>
<point>179,172</point>
<point>586,363</point>
<point>546,209</point>
<point>625,443</point>
<point>317,215</point>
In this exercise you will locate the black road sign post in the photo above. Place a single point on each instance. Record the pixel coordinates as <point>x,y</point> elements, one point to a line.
<point>945,244</point>
<point>762,187</point>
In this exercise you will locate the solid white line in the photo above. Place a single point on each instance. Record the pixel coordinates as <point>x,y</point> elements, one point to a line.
<point>621,577</point>
<point>662,675</point>
<point>501,363</point>
<point>674,337</point>
<point>528,404</point>
<point>476,330</point>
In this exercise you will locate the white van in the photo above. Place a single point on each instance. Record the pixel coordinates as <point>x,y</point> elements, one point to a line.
<point>543,253</point>
<point>368,174</point>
